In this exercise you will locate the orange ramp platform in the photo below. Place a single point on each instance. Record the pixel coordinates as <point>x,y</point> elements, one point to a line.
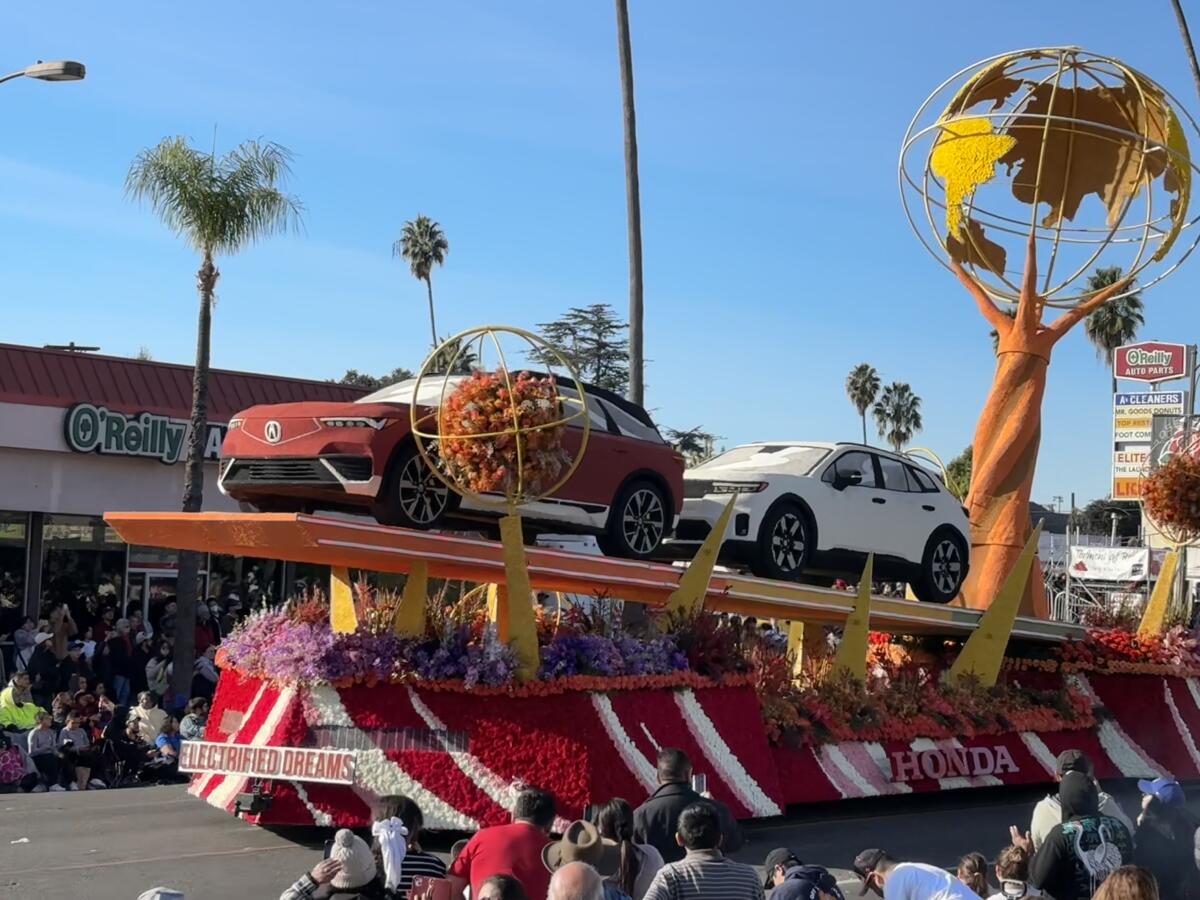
<point>354,544</point>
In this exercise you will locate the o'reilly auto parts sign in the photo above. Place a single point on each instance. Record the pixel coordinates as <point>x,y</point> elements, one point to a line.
<point>97,429</point>
<point>1150,361</point>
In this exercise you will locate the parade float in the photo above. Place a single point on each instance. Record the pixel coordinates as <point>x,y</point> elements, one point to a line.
<point>455,685</point>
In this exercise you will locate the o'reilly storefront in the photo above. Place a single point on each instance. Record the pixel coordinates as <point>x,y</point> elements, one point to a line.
<point>81,435</point>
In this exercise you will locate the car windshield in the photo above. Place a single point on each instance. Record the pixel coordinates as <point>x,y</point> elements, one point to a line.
<point>402,391</point>
<point>792,459</point>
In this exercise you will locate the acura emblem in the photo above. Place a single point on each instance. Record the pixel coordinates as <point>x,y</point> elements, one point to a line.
<point>272,432</point>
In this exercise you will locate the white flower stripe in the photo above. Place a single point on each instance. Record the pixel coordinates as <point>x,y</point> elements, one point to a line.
<point>1130,759</point>
<point>198,786</point>
<point>320,817</point>
<point>836,758</point>
<point>502,793</point>
<point>1180,725</point>
<point>224,794</point>
<point>1038,750</point>
<point>870,758</point>
<point>641,768</point>
<point>730,768</point>
<point>379,775</point>
<point>1194,691</point>
<point>919,745</point>
<point>835,776</point>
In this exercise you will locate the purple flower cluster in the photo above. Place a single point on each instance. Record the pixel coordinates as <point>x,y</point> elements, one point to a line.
<point>274,646</point>
<point>455,655</point>
<point>593,654</point>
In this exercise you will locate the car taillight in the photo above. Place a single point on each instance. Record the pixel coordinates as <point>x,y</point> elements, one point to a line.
<point>738,487</point>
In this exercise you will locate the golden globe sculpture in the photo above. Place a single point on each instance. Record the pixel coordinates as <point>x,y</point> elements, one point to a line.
<point>1077,150</point>
<point>492,432</point>
<point>1023,174</point>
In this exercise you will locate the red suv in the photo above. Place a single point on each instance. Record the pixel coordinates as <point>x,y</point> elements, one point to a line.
<point>292,457</point>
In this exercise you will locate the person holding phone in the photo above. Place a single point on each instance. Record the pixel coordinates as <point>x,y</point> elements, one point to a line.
<point>655,821</point>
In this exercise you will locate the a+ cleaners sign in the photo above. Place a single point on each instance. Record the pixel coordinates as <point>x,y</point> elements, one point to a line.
<point>97,429</point>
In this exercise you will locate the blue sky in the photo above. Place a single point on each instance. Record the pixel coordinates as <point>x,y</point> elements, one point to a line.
<point>777,254</point>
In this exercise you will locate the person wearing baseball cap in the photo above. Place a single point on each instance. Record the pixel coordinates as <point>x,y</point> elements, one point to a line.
<point>883,875</point>
<point>1165,840</point>
<point>787,878</point>
<point>1048,811</point>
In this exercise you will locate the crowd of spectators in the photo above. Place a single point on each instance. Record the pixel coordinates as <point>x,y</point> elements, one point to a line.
<point>89,702</point>
<point>1080,845</point>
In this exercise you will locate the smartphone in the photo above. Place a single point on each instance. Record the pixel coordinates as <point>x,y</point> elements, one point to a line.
<point>328,848</point>
<point>700,783</point>
<point>426,888</point>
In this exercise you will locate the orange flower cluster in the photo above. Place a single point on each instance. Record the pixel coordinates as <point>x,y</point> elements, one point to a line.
<point>524,416</point>
<point>1172,495</point>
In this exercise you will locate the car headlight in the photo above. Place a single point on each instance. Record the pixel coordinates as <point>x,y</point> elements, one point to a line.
<point>235,423</point>
<point>739,487</point>
<point>353,422</point>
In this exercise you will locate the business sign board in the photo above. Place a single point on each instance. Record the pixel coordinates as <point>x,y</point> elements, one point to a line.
<point>291,763</point>
<point>97,429</point>
<point>1109,563</point>
<point>1150,361</point>
<point>1134,417</point>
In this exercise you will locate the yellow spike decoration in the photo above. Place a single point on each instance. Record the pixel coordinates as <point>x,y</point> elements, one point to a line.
<point>693,584</point>
<point>983,653</point>
<point>1155,615</point>
<point>409,620</point>
<point>852,652</point>
<point>510,606</point>
<point>342,617</point>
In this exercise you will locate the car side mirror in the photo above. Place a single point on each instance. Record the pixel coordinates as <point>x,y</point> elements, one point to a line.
<point>850,479</point>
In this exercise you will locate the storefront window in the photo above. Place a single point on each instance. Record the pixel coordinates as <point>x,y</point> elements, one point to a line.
<point>153,576</point>
<point>82,556</point>
<point>13,548</point>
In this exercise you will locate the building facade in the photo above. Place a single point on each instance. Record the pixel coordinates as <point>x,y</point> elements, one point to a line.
<point>83,434</point>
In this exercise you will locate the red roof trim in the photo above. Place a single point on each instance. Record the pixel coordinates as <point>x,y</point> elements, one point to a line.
<point>39,377</point>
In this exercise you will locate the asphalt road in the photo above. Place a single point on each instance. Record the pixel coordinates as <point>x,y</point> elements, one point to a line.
<point>112,845</point>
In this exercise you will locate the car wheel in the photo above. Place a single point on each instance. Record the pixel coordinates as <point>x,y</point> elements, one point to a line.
<point>784,543</point>
<point>413,496</point>
<point>637,523</point>
<point>943,568</point>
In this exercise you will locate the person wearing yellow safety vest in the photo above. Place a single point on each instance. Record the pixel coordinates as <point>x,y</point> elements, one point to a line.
<point>18,712</point>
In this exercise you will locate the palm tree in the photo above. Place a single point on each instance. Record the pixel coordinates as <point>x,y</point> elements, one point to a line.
<point>219,205</point>
<point>898,414</point>
<point>1187,42</point>
<point>1117,321</point>
<point>862,387</point>
<point>633,205</point>
<point>423,245</point>
<point>465,359</point>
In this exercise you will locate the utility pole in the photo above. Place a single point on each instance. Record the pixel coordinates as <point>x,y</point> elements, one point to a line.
<point>1189,407</point>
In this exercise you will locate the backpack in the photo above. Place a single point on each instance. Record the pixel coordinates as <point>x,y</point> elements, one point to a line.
<point>12,766</point>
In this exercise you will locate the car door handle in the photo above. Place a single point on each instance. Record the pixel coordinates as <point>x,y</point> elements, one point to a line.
<point>878,500</point>
<point>928,508</point>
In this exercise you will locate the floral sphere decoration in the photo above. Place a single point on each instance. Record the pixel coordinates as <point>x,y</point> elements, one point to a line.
<point>499,434</point>
<point>1171,497</point>
<point>1077,151</point>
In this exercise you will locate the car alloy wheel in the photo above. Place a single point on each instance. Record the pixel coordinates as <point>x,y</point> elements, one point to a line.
<point>787,542</point>
<point>946,567</point>
<point>422,495</point>
<point>643,522</point>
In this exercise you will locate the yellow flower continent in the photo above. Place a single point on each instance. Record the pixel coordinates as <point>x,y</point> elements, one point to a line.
<point>964,157</point>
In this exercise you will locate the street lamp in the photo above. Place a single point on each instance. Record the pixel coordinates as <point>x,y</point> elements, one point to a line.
<point>59,70</point>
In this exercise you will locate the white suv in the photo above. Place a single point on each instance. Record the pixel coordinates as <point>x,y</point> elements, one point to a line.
<point>813,511</point>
